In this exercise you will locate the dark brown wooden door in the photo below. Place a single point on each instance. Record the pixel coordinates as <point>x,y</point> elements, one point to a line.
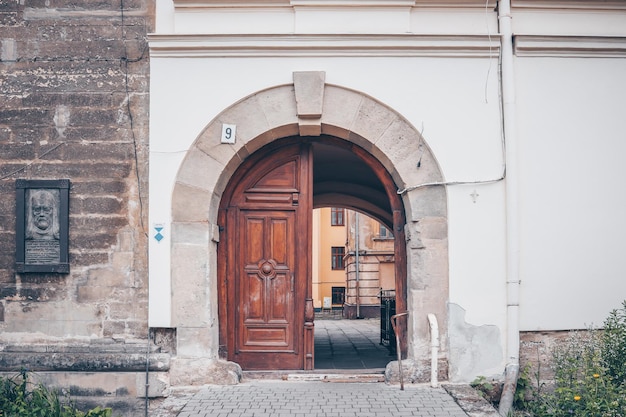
<point>268,262</point>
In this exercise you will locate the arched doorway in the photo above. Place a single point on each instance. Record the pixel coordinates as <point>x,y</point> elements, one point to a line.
<point>264,256</point>
<point>369,130</point>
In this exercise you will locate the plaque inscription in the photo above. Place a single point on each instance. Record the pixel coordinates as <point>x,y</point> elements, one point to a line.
<point>42,252</point>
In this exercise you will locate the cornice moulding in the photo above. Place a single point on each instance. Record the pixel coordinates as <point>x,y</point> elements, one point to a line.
<point>199,4</point>
<point>440,4</point>
<point>515,4</point>
<point>352,3</point>
<point>188,46</point>
<point>570,46</point>
<point>203,4</point>
<point>581,5</point>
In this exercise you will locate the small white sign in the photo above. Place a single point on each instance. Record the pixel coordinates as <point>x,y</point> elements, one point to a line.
<point>228,133</point>
<point>158,231</point>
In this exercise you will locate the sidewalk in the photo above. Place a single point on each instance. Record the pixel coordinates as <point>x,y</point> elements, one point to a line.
<point>320,399</point>
<point>342,347</point>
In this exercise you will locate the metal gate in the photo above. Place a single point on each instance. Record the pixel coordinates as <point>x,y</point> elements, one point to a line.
<point>387,309</point>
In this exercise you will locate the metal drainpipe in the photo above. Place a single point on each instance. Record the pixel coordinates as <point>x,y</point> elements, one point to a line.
<point>434,349</point>
<point>147,399</point>
<point>356,245</point>
<point>512,206</point>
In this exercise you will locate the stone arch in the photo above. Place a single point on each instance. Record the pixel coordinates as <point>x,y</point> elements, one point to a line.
<point>308,107</point>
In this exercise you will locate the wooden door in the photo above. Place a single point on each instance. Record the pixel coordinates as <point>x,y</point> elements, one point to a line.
<point>267,269</point>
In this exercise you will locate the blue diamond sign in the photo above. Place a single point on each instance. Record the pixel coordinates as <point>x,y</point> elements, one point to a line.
<point>158,235</point>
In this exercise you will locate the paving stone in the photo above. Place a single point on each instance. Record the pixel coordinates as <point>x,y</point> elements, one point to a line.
<point>314,398</point>
<point>318,399</point>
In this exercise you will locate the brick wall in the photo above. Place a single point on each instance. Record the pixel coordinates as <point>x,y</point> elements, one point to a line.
<point>73,105</point>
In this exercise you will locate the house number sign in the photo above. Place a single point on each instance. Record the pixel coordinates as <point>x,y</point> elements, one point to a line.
<point>228,133</point>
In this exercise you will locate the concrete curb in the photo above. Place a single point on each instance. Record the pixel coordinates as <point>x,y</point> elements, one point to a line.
<point>471,401</point>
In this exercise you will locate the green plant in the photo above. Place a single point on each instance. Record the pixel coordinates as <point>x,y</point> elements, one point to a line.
<point>614,345</point>
<point>481,384</point>
<point>524,388</point>
<point>21,398</point>
<point>489,390</point>
<point>589,375</point>
<point>582,384</point>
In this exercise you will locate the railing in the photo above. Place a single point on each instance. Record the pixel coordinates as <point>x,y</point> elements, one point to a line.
<point>387,310</point>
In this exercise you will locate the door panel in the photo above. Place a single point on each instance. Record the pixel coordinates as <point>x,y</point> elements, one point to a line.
<point>267,270</point>
<point>265,293</point>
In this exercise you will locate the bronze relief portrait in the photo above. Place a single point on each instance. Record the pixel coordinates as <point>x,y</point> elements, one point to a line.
<point>42,225</point>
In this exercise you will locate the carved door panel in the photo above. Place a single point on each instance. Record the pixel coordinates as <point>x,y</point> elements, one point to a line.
<point>266,318</point>
<point>268,229</point>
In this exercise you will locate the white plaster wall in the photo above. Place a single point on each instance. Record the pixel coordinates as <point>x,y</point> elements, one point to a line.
<point>477,20</point>
<point>477,252</point>
<point>572,136</point>
<point>443,98</point>
<point>331,17</point>
<point>236,20</point>
<point>581,22</point>
<point>571,143</point>
<point>163,167</point>
<point>164,11</point>
<point>454,102</point>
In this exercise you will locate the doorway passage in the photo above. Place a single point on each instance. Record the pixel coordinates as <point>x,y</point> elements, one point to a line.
<point>343,344</point>
<point>265,253</point>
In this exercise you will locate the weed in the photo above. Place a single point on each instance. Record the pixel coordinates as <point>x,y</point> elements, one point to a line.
<point>21,398</point>
<point>524,388</point>
<point>589,375</point>
<point>614,343</point>
<point>490,390</point>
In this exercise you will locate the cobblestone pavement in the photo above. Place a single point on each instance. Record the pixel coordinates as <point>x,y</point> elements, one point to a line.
<point>350,344</point>
<point>320,399</point>
<point>315,398</point>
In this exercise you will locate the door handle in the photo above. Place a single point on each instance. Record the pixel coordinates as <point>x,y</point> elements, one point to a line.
<point>292,281</point>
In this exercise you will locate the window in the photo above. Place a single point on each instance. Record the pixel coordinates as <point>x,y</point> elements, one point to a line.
<point>338,295</point>
<point>336,216</point>
<point>384,233</point>
<point>337,257</point>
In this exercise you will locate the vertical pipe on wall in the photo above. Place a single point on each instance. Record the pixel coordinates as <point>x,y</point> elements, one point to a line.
<point>512,206</point>
<point>434,349</point>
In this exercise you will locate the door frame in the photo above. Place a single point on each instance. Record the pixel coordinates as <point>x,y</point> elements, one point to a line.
<point>225,298</point>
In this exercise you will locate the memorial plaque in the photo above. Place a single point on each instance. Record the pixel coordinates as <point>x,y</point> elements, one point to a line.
<point>42,252</point>
<point>42,225</point>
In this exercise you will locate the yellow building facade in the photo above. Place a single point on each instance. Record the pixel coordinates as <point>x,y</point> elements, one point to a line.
<point>329,243</point>
<point>369,265</point>
<point>353,261</point>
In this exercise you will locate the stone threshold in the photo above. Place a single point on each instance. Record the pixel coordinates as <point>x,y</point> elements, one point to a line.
<point>323,375</point>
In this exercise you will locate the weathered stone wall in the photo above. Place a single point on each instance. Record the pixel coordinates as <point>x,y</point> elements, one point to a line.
<point>73,105</point>
<point>536,349</point>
